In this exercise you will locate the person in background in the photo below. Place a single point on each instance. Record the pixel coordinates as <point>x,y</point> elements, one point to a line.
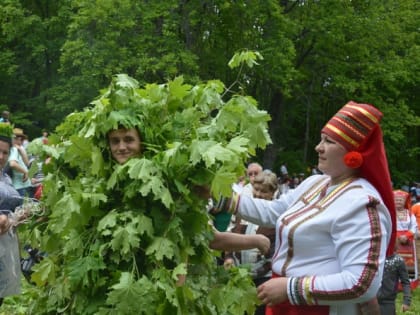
<point>265,187</point>
<point>5,117</point>
<point>415,210</point>
<point>395,271</point>
<point>284,185</point>
<point>333,231</point>
<point>252,171</point>
<point>34,149</point>
<point>295,181</point>
<point>9,245</point>
<point>283,170</point>
<point>225,221</point>
<point>44,136</point>
<point>25,142</point>
<point>406,221</point>
<point>19,164</point>
<point>415,192</point>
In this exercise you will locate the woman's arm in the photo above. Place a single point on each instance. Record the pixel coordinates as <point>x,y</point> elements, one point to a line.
<point>235,242</point>
<point>16,167</point>
<point>413,225</point>
<point>266,212</point>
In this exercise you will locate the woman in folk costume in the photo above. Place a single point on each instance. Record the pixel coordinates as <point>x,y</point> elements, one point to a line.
<point>333,230</point>
<point>406,221</point>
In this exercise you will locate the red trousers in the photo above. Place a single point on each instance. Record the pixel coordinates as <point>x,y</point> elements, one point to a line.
<point>286,308</point>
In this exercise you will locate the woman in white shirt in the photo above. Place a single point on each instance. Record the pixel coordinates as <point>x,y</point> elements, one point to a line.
<point>333,230</point>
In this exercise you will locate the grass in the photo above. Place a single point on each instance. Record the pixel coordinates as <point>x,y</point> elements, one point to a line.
<point>415,303</point>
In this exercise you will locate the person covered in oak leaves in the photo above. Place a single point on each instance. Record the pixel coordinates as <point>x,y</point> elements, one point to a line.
<point>125,143</point>
<point>333,230</point>
<point>124,215</point>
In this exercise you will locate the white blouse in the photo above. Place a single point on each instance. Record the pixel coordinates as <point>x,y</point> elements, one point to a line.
<point>331,241</point>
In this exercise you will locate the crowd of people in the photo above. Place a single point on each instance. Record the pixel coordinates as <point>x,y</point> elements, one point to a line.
<point>21,159</point>
<point>10,201</point>
<point>18,187</point>
<point>332,234</point>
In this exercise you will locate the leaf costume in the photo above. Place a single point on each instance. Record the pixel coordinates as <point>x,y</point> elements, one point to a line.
<point>118,236</point>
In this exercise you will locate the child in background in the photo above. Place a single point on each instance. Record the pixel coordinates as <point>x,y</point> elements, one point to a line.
<point>395,271</point>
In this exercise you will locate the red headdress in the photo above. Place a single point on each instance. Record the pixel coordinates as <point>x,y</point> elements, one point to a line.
<point>356,127</point>
<point>405,196</point>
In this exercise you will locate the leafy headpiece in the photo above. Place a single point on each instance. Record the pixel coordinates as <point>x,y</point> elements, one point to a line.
<point>6,132</point>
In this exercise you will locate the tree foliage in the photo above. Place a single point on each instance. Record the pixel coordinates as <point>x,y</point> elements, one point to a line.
<point>317,55</point>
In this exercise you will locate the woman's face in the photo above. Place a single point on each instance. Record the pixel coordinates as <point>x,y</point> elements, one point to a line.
<point>261,191</point>
<point>124,144</point>
<point>331,157</point>
<point>4,153</point>
<point>399,202</point>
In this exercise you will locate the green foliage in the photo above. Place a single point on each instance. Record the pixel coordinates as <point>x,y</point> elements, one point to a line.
<point>248,57</point>
<point>6,130</point>
<point>119,236</point>
<point>415,303</point>
<point>56,56</point>
<point>361,51</point>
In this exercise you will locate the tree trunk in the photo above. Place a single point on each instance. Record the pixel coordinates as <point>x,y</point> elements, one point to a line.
<point>275,110</point>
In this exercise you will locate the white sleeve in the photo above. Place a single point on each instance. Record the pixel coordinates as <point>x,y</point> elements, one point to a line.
<point>266,212</point>
<point>260,211</point>
<point>413,225</point>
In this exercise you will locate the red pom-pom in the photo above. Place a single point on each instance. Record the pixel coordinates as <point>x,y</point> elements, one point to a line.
<point>353,159</point>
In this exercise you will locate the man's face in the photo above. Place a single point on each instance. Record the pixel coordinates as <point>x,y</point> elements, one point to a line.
<point>124,144</point>
<point>4,153</point>
<point>18,140</point>
<point>252,171</point>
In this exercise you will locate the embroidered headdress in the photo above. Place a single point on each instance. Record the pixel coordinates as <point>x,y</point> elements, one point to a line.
<point>405,196</point>
<point>356,127</point>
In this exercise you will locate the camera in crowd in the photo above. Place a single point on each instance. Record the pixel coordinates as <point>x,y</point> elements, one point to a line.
<point>35,256</point>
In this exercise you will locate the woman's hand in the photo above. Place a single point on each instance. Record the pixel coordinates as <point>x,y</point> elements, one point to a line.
<point>263,243</point>
<point>403,239</point>
<point>273,291</point>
